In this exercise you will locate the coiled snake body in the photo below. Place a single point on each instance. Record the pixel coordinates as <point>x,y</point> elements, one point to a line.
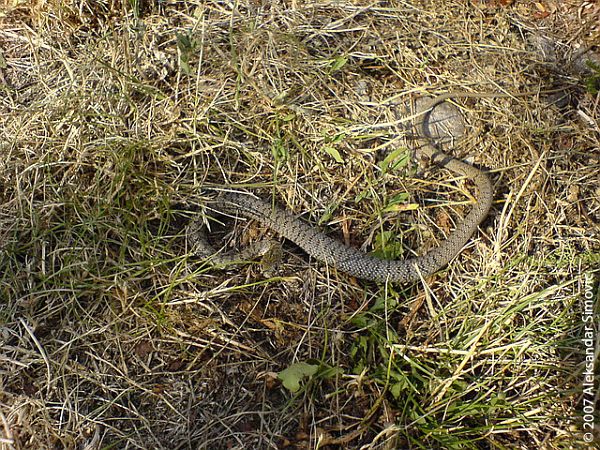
<point>353,261</point>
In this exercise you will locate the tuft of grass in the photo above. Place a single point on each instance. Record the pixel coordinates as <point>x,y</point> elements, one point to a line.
<point>592,82</point>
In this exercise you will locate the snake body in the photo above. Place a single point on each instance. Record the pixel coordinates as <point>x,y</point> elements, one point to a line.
<point>353,261</point>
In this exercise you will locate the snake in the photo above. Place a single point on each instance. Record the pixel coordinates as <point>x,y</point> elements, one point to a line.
<point>353,261</point>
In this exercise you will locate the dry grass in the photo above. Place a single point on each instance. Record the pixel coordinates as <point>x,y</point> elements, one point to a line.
<point>116,119</point>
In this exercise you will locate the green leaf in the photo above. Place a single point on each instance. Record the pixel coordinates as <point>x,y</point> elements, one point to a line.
<point>184,43</point>
<point>394,160</point>
<point>398,203</point>
<point>279,150</point>
<point>365,193</point>
<point>185,66</point>
<point>338,138</point>
<point>328,372</point>
<point>338,63</point>
<point>382,303</point>
<point>328,214</point>
<point>388,246</point>
<point>331,151</point>
<point>291,377</point>
<point>398,388</point>
<point>592,83</point>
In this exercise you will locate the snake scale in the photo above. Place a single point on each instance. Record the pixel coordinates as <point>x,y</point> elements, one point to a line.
<point>351,260</point>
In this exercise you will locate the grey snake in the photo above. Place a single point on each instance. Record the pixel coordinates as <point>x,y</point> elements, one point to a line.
<point>351,260</point>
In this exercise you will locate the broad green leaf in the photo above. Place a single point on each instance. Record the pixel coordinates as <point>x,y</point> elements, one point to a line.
<point>331,151</point>
<point>291,377</point>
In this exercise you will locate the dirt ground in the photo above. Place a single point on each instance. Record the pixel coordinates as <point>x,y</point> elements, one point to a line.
<point>120,119</point>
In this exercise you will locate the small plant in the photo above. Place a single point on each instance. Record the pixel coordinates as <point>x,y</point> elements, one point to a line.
<point>187,45</point>
<point>592,83</point>
<point>297,372</point>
